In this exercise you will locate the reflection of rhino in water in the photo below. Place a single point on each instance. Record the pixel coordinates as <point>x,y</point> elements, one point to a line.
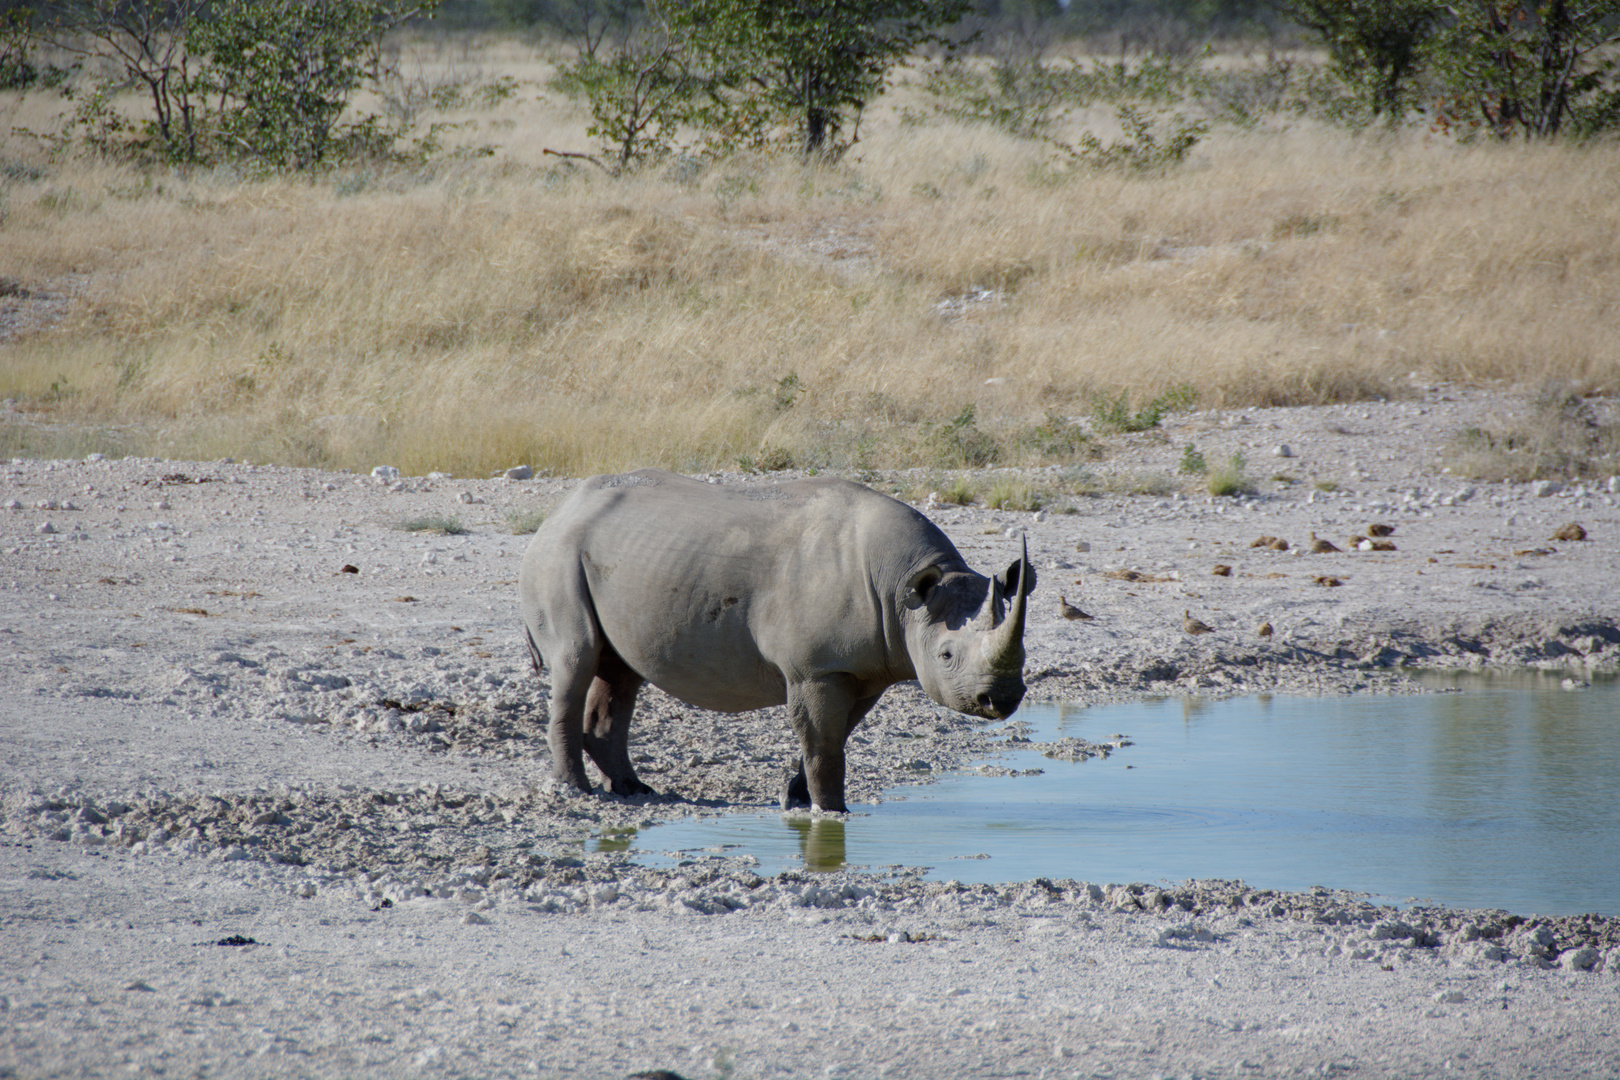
<point>820,594</point>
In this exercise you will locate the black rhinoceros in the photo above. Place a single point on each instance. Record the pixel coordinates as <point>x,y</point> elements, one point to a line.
<point>818,594</point>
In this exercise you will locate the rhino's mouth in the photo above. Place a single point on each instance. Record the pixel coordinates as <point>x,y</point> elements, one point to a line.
<point>1000,700</point>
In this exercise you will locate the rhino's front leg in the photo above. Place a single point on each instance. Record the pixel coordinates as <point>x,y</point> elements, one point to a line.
<point>823,712</point>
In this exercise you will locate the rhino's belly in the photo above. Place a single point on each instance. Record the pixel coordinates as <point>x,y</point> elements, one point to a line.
<point>717,693</point>
<point>709,668</point>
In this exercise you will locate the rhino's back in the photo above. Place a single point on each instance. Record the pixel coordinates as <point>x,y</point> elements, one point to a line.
<point>717,594</point>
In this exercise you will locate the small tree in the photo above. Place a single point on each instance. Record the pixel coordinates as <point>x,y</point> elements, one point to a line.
<point>640,97</point>
<point>1376,46</point>
<point>1529,68</point>
<point>148,40</point>
<point>806,65</point>
<point>284,70</point>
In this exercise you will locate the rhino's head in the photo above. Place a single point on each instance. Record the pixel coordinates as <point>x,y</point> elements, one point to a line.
<point>966,641</point>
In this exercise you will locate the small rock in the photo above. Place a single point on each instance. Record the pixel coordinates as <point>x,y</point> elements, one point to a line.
<point>1450,997</point>
<point>1083,546</point>
<point>468,498</point>
<point>1582,959</point>
<point>1014,532</point>
<point>385,473</point>
<point>520,472</point>
<point>1282,450</point>
<point>1543,488</point>
<point>1614,485</point>
<point>46,528</point>
<point>472,918</point>
<point>13,504</point>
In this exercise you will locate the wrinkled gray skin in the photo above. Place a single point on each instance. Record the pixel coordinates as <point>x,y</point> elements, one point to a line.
<point>819,594</point>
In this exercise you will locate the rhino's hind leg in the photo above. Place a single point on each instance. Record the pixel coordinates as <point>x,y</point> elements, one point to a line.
<point>609,706</point>
<point>795,789</point>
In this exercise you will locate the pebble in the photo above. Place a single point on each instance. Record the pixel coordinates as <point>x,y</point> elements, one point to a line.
<point>1282,450</point>
<point>1543,488</point>
<point>385,472</point>
<point>520,472</point>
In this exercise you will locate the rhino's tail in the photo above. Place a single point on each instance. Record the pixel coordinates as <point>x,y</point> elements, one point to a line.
<point>534,650</point>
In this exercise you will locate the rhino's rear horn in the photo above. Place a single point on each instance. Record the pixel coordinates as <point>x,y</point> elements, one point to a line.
<point>1007,646</point>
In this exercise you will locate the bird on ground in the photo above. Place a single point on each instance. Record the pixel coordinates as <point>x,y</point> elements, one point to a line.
<point>1320,546</point>
<point>1264,630</point>
<point>1222,570</point>
<point>1376,529</point>
<point>1572,531</point>
<point>1069,611</point>
<point>1192,625</point>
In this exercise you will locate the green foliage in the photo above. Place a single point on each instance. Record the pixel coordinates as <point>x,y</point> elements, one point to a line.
<point>959,443</point>
<point>1507,67</point>
<point>1113,414</point>
<point>1500,67</point>
<point>1021,98</point>
<point>264,80</point>
<point>1192,461</point>
<point>1231,479</point>
<point>1059,437</point>
<point>443,524</point>
<point>285,70</point>
<point>1376,46</point>
<point>1147,147</point>
<point>798,70</point>
<point>1015,493</point>
<point>1562,436</point>
<point>640,97</point>
<point>524,522</point>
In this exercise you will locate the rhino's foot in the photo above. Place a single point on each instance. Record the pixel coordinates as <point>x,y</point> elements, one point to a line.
<point>632,786</point>
<point>796,790</point>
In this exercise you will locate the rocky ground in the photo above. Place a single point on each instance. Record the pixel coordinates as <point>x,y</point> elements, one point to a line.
<point>276,800</point>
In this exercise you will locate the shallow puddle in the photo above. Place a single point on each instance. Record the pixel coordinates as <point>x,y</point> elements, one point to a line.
<point>1505,793</point>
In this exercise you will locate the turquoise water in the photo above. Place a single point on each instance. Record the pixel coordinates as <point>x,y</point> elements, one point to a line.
<point>1504,794</point>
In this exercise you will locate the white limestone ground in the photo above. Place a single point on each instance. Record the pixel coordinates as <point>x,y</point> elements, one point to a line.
<point>215,733</point>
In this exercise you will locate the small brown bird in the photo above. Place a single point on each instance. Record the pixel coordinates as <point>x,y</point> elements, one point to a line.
<point>1361,542</point>
<point>1572,531</point>
<point>1321,547</point>
<point>1377,529</point>
<point>1069,611</point>
<point>1278,544</point>
<point>1264,629</point>
<point>1380,545</point>
<point>1192,625</point>
<point>1263,541</point>
<point>1326,581</point>
<point>1222,570</point>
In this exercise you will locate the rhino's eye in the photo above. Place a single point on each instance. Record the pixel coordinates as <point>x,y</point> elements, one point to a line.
<point>946,654</point>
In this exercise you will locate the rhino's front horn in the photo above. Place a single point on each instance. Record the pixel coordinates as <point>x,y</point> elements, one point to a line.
<point>1007,646</point>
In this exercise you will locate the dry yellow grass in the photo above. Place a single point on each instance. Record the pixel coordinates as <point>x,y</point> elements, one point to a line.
<point>476,313</point>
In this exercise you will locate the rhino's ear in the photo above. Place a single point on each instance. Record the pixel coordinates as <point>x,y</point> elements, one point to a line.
<point>921,587</point>
<point>1009,580</point>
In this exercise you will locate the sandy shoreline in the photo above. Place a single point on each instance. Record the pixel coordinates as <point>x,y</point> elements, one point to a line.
<point>215,732</point>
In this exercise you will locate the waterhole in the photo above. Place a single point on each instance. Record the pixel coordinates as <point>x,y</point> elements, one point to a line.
<point>1493,794</point>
